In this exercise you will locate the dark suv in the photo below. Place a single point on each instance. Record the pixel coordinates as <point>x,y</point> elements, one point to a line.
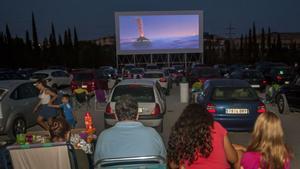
<point>288,98</point>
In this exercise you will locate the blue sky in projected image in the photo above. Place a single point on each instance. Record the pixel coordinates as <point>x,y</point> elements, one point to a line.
<point>159,26</point>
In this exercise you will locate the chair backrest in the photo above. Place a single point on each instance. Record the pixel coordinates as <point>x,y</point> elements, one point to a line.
<point>81,97</point>
<point>153,162</point>
<point>42,156</point>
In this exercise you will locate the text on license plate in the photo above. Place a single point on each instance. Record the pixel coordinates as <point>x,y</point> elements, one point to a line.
<point>237,111</point>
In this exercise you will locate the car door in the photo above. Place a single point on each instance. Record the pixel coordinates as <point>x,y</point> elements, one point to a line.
<point>293,94</point>
<point>24,99</point>
<point>162,97</point>
<point>65,77</point>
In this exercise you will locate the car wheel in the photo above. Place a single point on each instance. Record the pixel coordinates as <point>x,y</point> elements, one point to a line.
<point>282,104</point>
<point>18,126</point>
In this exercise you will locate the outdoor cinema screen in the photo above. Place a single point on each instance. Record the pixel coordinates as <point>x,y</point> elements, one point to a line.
<point>159,32</point>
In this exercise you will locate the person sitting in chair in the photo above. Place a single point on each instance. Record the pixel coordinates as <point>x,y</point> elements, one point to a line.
<point>128,137</point>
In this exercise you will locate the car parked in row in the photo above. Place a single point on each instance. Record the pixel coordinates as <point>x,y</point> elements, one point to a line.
<point>202,74</point>
<point>161,77</point>
<point>232,102</point>
<point>55,78</point>
<point>136,73</point>
<point>150,97</point>
<point>17,101</point>
<point>253,77</point>
<point>279,75</point>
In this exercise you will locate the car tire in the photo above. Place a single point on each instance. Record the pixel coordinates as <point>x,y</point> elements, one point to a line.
<point>282,104</point>
<point>18,126</point>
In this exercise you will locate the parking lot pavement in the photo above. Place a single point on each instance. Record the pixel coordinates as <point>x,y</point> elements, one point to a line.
<point>291,123</point>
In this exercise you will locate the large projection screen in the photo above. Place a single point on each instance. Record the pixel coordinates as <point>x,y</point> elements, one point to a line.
<point>159,32</point>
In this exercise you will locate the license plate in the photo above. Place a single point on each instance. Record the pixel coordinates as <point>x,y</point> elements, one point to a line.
<point>140,110</point>
<point>255,86</point>
<point>286,82</point>
<point>237,111</point>
<point>84,86</point>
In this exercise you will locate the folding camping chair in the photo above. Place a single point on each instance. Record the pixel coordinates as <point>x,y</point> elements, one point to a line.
<point>152,162</point>
<point>82,97</point>
<point>43,156</point>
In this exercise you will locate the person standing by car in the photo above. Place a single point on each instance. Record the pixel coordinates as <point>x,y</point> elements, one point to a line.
<point>44,111</point>
<point>128,137</point>
<point>197,141</point>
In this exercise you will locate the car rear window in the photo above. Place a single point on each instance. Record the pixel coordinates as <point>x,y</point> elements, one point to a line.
<point>139,92</point>
<point>234,93</point>
<point>153,75</point>
<point>83,76</point>
<point>208,73</point>
<point>39,75</point>
<point>253,74</point>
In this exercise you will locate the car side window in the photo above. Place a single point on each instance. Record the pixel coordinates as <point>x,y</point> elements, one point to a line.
<point>159,89</point>
<point>55,74</point>
<point>24,91</point>
<point>63,74</point>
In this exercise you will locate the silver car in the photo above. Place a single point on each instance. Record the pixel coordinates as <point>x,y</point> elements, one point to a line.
<point>17,101</point>
<point>150,97</point>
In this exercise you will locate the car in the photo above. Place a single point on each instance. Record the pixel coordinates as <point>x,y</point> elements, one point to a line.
<point>85,79</point>
<point>109,71</point>
<point>150,97</point>
<point>288,98</point>
<point>26,72</point>
<point>159,76</point>
<point>222,68</point>
<point>11,75</point>
<point>152,66</point>
<point>265,67</point>
<point>136,73</point>
<point>280,75</point>
<point>173,73</point>
<point>126,69</point>
<point>18,99</point>
<point>233,103</point>
<point>255,78</point>
<point>55,78</point>
<point>179,68</point>
<point>202,74</point>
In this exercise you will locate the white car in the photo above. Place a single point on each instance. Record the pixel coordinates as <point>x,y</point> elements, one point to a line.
<point>54,77</point>
<point>150,97</point>
<point>159,76</point>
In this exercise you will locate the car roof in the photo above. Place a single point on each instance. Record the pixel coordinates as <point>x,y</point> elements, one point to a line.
<point>228,83</point>
<point>48,71</point>
<point>11,84</point>
<point>137,81</point>
<point>154,71</point>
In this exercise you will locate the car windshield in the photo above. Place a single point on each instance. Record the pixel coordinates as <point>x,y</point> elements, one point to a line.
<point>208,73</point>
<point>83,76</point>
<point>153,75</point>
<point>137,71</point>
<point>139,92</point>
<point>39,75</point>
<point>234,93</point>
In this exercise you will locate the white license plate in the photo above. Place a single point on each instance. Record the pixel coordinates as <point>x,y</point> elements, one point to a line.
<point>140,110</point>
<point>84,86</point>
<point>255,86</point>
<point>237,111</point>
<point>287,82</point>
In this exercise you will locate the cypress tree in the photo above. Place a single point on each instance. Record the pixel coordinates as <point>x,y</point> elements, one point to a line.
<point>250,43</point>
<point>8,34</point>
<point>60,42</point>
<point>66,42</point>
<point>262,42</point>
<point>269,41</point>
<point>53,36</point>
<point>75,38</point>
<point>278,42</point>
<point>35,40</point>
<point>241,45</point>
<point>69,37</point>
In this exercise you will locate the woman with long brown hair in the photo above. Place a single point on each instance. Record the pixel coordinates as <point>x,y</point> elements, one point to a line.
<point>197,141</point>
<point>267,149</point>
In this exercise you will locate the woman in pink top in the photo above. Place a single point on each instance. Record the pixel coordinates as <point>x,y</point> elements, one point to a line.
<point>267,149</point>
<point>196,141</point>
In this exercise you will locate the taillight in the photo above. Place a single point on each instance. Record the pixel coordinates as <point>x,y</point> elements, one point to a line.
<point>264,82</point>
<point>278,77</point>
<point>156,110</point>
<point>108,109</point>
<point>261,108</point>
<point>163,79</point>
<point>93,86</point>
<point>211,108</point>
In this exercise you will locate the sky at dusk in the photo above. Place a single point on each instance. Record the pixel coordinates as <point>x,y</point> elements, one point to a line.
<point>160,26</point>
<point>95,18</point>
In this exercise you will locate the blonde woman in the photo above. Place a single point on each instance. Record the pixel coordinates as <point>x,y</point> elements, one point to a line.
<point>267,149</point>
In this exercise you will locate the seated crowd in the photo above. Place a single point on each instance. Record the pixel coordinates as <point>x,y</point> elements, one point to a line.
<point>196,140</point>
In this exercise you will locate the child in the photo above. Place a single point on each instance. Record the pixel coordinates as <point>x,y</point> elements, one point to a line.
<point>59,130</point>
<point>67,109</point>
<point>267,148</point>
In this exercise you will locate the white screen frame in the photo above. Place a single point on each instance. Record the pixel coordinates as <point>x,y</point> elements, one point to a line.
<point>158,51</point>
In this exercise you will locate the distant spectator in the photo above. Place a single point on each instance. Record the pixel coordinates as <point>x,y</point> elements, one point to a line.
<point>68,112</point>
<point>59,130</point>
<point>44,111</point>
<point>128,137</point>
<point>267,149</point>
<point>197,141</point>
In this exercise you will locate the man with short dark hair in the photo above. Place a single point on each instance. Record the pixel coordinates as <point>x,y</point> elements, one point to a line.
<point>128,137</point>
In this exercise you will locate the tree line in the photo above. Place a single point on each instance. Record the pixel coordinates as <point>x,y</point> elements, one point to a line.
<point>252,47</point>
<point>54,50</point>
